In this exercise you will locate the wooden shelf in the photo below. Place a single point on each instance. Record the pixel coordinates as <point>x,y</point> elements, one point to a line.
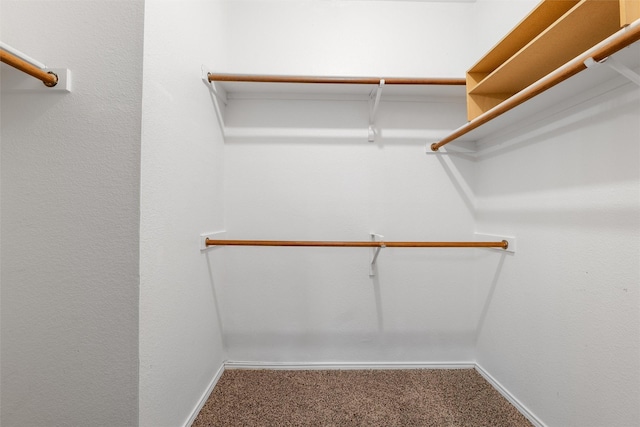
<point>576,90</point>
<point>551,35</point>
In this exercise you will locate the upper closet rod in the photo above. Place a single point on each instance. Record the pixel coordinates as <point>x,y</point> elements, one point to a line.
<point>334,80</point>
<point>25,64</point>
<point>216,242</point>
<point>599,52</point>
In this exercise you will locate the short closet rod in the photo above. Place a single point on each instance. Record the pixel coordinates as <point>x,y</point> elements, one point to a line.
<point>334,80</point>
<point>47,77</point>
<point>216,242</point>
<point>601,51</point>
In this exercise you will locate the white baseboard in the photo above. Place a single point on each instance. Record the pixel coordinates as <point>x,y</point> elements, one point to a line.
<point>347,365</point>
<point>511,398</point>
<point>204,397</point>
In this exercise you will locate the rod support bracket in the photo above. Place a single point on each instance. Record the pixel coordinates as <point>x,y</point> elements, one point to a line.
<point>376,251</point>
<point>374,102</point>
<point>204,244</point>
<point>509,242</point>
<point>616,66</point>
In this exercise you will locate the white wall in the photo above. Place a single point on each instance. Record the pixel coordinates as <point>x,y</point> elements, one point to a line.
<point>561,326</point>
<point>70,217</point>
<point>359,38</point>
<point>317,305</point>
<point>561,329</point>
<point>181,191</point>
<point>493,19</point>
<point>557,324</point>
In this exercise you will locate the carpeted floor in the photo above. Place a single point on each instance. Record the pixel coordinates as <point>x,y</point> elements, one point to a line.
<point>437,397</point>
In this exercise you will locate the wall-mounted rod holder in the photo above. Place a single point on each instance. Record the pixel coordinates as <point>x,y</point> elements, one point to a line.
<point>376,251</point>
<point>217,90</point>
<point>57,79</point>
<point>374,101</point>
<point>616,66</point>
<point>206,238</point>
<point>509,241</point>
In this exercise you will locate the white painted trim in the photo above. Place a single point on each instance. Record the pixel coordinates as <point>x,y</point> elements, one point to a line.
<point>510,397</point>
<point>204,397</point>
<point>347,365</point>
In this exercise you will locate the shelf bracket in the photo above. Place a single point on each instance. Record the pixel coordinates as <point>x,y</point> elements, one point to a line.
<point>374,101</point>
<point>616,66</point>
<point>19,82</point>
<point>376,251</point>
<point>219,98</point>
<point>462,148</point>
<point>203,239</point>
<point>511,241</point>
<point>217,90</point>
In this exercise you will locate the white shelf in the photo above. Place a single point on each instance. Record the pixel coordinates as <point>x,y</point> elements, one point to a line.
<point>344,111</point>
<point>252,90</point>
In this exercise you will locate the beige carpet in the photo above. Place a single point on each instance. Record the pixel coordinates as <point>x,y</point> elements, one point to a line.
<point>437,397</point>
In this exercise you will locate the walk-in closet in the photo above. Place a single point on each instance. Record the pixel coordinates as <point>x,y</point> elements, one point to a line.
<point>320,212</point>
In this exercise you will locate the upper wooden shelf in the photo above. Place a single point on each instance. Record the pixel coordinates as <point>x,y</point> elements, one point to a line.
<point>555,32</point>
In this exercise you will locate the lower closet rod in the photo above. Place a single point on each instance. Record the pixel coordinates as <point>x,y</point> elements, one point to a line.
<point>215,242</point>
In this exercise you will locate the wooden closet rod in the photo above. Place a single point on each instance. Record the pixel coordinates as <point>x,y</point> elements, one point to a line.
<point>334,80</point>
<point>49,78</point>
<point>215,242</point>
<point>609,46</point>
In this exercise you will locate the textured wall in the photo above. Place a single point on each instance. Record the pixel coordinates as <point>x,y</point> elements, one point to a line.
<point>181,191</point>
<point>309,304</point>
<point>361,38</point>
<point>70,217</point>
<point>284,304</point>
<point>493,19</point>
<point>561,328</point>
<point>561,325</point>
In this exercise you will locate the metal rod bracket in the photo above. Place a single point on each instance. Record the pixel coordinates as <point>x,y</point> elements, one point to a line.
<point>374,101</point>
<point>376,251</point>
<point>204,237</point>
<point>616,66</point>
<point>510,241</point>
<point>19,82</point>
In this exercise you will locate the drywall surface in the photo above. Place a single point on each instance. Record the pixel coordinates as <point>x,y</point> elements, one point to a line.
<point>181,197</point>
<point>70,217</point>
<point>561,329</point>
<point>493,20</point>
<point>349,38</point>
<point>319,304</point>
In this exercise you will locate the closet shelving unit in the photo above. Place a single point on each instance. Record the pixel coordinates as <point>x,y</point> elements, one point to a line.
<point>227,87</point>
<point>556,41</point>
